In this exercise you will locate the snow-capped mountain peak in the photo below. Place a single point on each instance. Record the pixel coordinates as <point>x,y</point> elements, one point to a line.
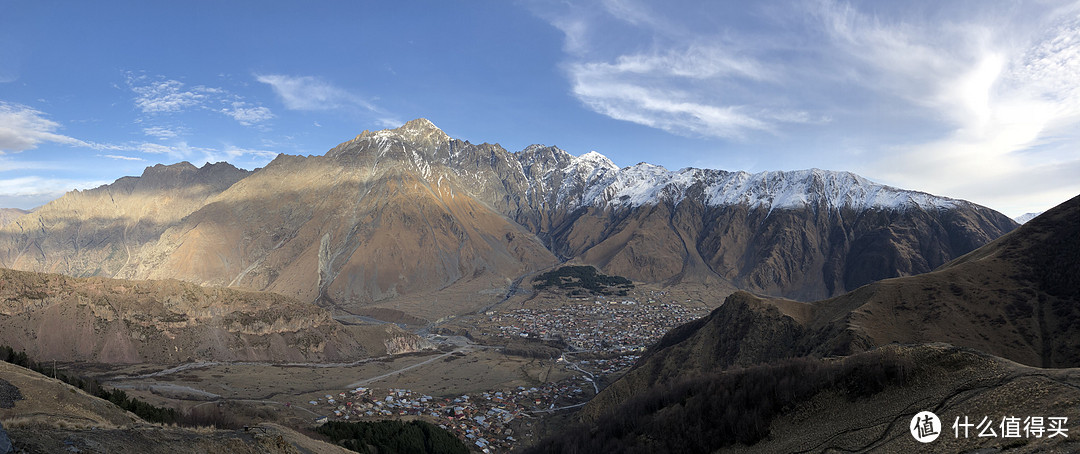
<point>1024,218</point>
<point>591,179</point>
<point>595,160</point>
<point>645,184</point>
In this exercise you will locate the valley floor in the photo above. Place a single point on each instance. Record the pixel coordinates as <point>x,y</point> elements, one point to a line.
<point>468,385</point>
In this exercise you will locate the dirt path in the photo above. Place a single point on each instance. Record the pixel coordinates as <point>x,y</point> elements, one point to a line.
<point>403,369</point>
<point>202,365</point>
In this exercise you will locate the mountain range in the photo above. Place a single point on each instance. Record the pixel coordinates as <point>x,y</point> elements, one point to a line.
<point>396,218</point>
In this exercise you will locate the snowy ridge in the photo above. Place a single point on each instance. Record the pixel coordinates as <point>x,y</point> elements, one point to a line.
<point>795,189</point>
<point>593,180</point>
<point>555,177</point>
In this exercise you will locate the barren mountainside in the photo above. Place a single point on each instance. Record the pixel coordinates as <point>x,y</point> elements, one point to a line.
<point>101,231</point>
<point>55,317</point>
<point>7,215</point>
<point>394,216</point>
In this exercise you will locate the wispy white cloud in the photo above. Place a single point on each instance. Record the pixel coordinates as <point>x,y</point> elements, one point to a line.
<point>1007,94</point>
<point>154,148</point>
<point>165,96</point>
<point>680,91</point>
<point>311,93</point>
<point>308,93</point>
<point>162,133</point>
<point>681,82</point>
<point>661,108</point>
<point>121,157</point>
<point>636,13</point>
<point>39,186</point>
<point>248,115</point>
<point>160,95</point>
<point>231,152</point>
<point>181,150</point>
<point>24,128</point>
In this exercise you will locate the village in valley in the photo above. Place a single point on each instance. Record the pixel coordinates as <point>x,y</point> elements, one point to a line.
<point>596,339</point>
<point>487,420</point>
<point>496,378</point>
<point>618,325</point>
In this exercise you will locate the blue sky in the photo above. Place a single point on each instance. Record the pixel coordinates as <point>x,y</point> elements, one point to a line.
<point>977,100</point>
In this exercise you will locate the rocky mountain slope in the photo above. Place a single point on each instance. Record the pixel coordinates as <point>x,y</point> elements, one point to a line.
<point>1016,298</point>
<point>54,317</point>
<point>398,217</point>
<point>7,215</point>
<point>805,234</point>
<point>101,231</point>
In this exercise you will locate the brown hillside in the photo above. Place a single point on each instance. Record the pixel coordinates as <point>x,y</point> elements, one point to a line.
<point>100,232</point>
<point>861,403</point>
<point>55,417</point>
<point>365,223</point>
<point>1017,298</point>
<point>54,317</point>
<point>804,254</point>
<point>7,215</point>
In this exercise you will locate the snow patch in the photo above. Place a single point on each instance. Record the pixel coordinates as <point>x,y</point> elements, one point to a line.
<point>1024,218</point>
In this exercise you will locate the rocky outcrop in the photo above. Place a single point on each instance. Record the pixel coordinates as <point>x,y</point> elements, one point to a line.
<point>405,342</point>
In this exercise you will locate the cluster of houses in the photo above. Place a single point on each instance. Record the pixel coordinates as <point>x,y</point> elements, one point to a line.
<point>607,366</point>
<point>487,420</point>
<point>616,326</point>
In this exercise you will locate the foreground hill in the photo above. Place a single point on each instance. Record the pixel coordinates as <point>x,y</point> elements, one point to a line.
<point>861,403</point>
<point>393,217</point>
<point>54,317</point>
<point>51,416</point>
